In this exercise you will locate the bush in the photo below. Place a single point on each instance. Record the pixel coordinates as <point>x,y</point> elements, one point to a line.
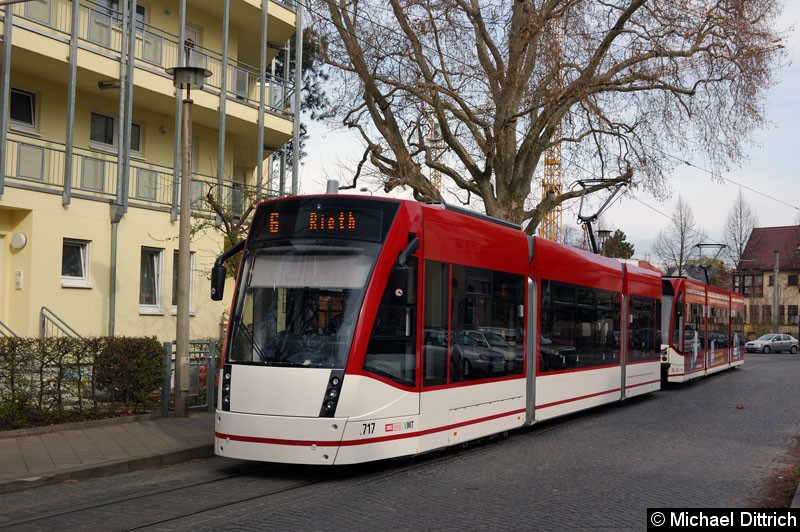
<point>65,379</point>
<point>130,369</point>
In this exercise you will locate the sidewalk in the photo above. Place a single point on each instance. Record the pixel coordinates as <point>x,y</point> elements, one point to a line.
<point>35,457</point>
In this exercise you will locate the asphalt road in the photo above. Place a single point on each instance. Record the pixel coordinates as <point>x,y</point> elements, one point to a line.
<point>711,444</point>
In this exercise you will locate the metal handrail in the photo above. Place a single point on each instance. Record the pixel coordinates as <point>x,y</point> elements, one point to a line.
<point>6,331</point>
<point>48,316</point>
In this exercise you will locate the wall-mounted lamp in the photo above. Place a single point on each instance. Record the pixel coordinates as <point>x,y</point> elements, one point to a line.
<point>105,85</point>
<point>18,241</point>
<point>162,130</point>
<point>167,11</point>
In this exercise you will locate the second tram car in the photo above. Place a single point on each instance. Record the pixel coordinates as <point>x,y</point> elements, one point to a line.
<point>370,328</point>
<point>703,329</point>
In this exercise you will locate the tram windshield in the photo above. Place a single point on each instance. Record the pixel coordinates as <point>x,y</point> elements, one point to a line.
<point>298,303</point>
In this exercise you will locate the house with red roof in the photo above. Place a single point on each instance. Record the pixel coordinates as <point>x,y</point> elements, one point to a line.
<point>770,250</point>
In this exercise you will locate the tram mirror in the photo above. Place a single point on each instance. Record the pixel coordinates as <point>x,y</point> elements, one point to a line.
<point>217,282</point>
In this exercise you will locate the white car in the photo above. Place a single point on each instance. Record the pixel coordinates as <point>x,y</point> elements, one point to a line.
<point>772,343</point>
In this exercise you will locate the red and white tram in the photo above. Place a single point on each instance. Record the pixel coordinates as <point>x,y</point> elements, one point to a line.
<point>371,328</point>
<point>704,329</point>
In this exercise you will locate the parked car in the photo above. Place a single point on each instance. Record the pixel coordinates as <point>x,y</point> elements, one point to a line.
<point>468,359</point>
<point>477,359</point>
<point>772,343</point>
<point>555,356</point>
<point>494,341</point>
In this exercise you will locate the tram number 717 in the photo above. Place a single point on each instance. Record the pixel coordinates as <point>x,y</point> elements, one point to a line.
<point>367,428</point>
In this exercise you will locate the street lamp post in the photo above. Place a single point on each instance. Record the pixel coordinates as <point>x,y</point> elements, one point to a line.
<point>187,78</point>
<point>603,235</point>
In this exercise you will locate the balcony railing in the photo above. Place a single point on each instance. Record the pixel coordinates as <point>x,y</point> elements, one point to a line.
<point>102,28</point>
<point>39,164</point>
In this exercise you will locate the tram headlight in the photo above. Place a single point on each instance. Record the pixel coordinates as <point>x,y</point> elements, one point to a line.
<point>226,388</point>
<point>332,393</point>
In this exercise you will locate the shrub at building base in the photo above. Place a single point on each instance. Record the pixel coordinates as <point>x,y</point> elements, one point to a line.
<point>18,363</point>
<point>130,370</point>
<point>73,379</point>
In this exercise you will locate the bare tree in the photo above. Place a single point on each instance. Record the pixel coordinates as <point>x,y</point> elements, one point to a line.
<point>574,236</point>
<point>676,244</point>
<point>738,225</point>
<point>476,93</point>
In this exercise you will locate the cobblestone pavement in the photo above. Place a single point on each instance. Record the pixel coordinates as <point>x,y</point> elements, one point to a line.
<point>685,446</point>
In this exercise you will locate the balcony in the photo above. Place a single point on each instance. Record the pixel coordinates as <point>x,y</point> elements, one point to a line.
<point>39,165</point>
<point>100,31</point>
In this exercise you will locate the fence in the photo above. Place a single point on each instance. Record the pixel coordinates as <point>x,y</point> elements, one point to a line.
<point>61,378</point>
<point>202,376</point>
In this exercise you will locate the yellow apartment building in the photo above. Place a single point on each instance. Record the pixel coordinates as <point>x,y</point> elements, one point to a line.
<point>89,222</point>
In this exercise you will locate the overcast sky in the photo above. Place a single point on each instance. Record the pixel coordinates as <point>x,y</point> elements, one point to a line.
<point>770,179</point>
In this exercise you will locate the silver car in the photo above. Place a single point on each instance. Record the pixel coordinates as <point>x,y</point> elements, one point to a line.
<point>772,343</point>
<point>497,343</point>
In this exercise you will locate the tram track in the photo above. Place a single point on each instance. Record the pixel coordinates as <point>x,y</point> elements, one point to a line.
<point>168,506</point>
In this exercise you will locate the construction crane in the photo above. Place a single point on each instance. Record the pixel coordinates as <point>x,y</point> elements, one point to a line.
<point>552,181</point>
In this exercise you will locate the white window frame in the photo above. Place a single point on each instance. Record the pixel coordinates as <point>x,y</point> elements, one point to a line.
<point>175,282</point>
<point>72,281</point>
<point>16,123</point>
<point>100,145</point>
<point>157,255</point>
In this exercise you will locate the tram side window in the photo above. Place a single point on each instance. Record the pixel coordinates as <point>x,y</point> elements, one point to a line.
<point>391,348</point>
<point>644,334</point>
<point>435,339</point>
<point>718,325</point>
<point>472,319</point>
<point>580,327</point>
<point>694,329</point>
<point>485,314</point>
<point>737,327</point>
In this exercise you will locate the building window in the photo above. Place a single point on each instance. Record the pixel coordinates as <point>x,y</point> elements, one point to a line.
<point>771,281</point>
<point>175,282</point>
<point>103,132</point>
<point>150,281</point>
<point>793,280</point>
<point>23,108</point>
<point>102,129</point>
<point>113,9</point>
<point>75,263</point>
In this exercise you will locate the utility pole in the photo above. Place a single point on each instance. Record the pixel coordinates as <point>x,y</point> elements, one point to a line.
<point>775,272</point>
<point>184,78</point>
